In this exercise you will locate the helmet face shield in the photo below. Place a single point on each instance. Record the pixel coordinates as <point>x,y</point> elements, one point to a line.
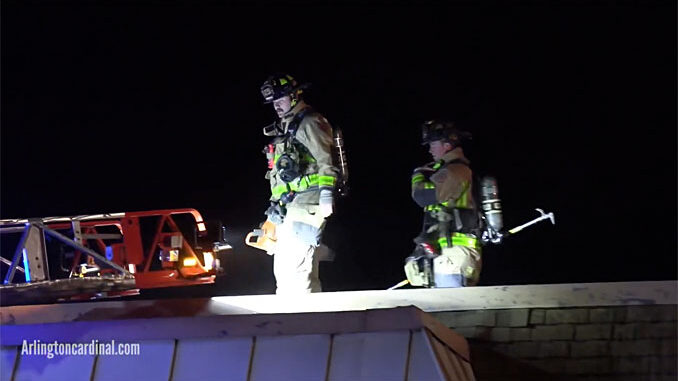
<point>267,92</point>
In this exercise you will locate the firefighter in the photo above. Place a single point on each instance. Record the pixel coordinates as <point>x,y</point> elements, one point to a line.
<point>448,250</point>
<point>302,179</point>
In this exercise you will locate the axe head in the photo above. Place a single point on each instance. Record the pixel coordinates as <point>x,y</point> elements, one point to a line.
<point>544,216</point>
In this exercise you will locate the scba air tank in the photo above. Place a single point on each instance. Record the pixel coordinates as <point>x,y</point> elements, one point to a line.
<point>491,204</point>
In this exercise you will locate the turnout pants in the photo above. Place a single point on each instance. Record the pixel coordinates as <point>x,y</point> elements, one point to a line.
<point>295,264</point>
<point>457,266</point>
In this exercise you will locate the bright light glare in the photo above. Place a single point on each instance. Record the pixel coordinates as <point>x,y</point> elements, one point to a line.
<point>209,260</point>
<point>190,262</point>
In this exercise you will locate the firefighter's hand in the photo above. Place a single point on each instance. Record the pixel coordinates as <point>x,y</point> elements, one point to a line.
<point>326,203</point>
<point>421,174</point>
<point>425,170</point>
<point>275,213</point>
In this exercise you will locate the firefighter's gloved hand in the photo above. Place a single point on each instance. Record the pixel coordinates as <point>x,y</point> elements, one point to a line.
<point>421,173</point>
<point>275,213</point>
<point>326,203</point>
<point>425,170</point>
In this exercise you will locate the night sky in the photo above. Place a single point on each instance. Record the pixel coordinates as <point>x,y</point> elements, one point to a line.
<point>138,105</point>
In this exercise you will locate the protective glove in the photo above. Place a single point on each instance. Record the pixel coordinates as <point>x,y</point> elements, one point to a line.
<point>275,213</point>
<point>326,203</point>
<point>425,170</point>
<point>422,173</point>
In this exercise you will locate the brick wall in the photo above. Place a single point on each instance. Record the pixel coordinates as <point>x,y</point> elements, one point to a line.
<point>634,342</point>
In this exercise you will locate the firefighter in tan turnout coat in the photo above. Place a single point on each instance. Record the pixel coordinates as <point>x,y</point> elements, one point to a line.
<point>448,249</point>
<point>302,178</point>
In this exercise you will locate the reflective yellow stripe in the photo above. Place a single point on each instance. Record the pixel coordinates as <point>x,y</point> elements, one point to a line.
<point>417,178</point>
<point>279,190</point>
<point>428,185</point>
<point>436,207</point>
<point>326,181</point>
<point>465,241</point>
<point>304,183</point>
<point>462,201</point>
<point>460,239</point>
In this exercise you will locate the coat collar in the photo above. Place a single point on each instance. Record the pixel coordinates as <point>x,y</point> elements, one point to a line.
<point>457,153</point>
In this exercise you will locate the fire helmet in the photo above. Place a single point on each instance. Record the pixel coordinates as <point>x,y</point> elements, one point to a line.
<point>433,130</point>
<point>279,85</point>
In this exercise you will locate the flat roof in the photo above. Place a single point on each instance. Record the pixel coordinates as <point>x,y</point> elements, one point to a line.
<point>428,300</point>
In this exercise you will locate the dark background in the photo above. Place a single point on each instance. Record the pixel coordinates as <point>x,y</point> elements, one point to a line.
<point>123,106</point>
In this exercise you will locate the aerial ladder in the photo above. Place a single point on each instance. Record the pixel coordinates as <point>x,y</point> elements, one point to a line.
<point>51,259</point>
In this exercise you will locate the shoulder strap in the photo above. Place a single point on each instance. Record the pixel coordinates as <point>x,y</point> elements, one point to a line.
<point>296,121</point>
<point>291,135</point>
